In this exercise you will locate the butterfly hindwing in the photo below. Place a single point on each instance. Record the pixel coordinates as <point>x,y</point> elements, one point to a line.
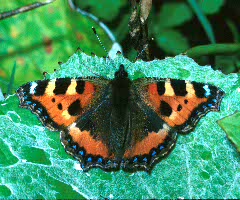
<point>90,139</point>
<point>151,138</point>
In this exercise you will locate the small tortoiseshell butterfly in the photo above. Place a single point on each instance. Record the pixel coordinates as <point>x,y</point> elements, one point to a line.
<point>119,123</point>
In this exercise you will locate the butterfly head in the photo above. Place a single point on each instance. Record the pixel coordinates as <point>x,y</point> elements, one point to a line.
<point>121,73</point>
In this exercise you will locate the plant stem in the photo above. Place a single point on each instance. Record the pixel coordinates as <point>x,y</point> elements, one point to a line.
<point>203,20</point>
<point>213,49</point>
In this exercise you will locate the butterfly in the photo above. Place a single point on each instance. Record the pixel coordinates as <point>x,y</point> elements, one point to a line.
<point>118,123</point>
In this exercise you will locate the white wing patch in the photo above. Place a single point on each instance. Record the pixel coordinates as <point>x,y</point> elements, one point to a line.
<point>32,88</point>
<point>208,92</point>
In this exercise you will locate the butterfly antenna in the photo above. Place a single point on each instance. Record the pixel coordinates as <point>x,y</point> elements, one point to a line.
<point>141,53</point>
<point>95,32</point>
<point>143,50</point>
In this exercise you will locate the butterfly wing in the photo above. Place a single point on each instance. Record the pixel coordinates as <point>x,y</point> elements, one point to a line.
<point>168,107</point>
<point>151,137</point>
<point>60,102</point>
<point>89,139</point>
<point>80,109</point>
<point>179,103</point>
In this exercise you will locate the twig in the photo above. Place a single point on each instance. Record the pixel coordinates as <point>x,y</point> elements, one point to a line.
<point>29,7</point>
<point>139,29</point>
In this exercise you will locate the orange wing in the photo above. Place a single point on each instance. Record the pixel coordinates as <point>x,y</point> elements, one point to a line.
<point>60,102</point>
<point>179,103</point>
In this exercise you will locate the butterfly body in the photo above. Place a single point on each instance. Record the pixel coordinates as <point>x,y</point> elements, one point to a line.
<point>119,123</point>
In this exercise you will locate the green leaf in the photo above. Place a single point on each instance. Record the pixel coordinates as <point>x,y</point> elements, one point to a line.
<point>172,41</point>
<point>174,14</point>
<point>212,6</point>
<point>105,9</point>
<point>231,125</point>
<point>121,31</point>
<point>38,39</point>
<point>4,191</point>
<point>204,164</point>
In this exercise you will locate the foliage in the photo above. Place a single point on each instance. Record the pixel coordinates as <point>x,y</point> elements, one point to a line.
<point>36,43</point>
<point>231,126</point>
<point>39,39</point>
<point>111,8</point>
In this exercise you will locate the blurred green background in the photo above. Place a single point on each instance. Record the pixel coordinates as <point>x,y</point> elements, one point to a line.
<point>35,41</point>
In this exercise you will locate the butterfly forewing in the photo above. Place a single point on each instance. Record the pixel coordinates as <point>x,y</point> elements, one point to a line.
<point>179,103</point>
<point>60,102</point>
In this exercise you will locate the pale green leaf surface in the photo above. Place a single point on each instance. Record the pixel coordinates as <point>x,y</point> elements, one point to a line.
<point>204,163</point>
